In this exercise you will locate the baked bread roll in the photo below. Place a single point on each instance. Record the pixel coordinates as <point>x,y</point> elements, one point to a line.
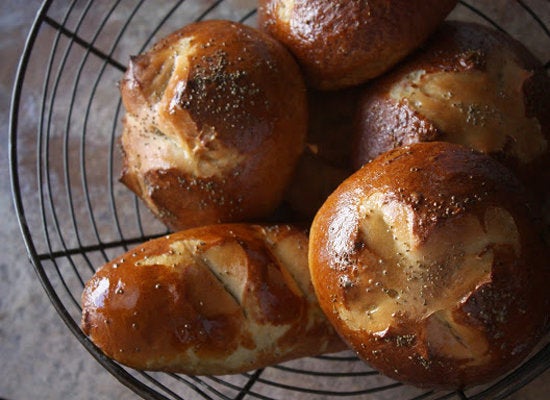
<point>344,43</point>
<point>428,263</point>
<point>215,300</point>
<point>216,118</point>
<point>470,85</point>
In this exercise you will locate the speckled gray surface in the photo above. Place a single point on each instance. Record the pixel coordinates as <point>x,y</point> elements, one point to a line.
<point>39,356</point>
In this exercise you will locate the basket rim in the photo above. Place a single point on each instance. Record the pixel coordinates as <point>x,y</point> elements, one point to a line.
<point>532,368</point>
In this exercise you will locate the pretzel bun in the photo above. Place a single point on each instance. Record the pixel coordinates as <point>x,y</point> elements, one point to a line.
<point>216,117</point>
<point>470,85</point>
<point>428,263</point>
<point>344,43</point>
<point>219,299</point>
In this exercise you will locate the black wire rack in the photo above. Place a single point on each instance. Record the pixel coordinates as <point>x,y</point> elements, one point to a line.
<point>74,216</point>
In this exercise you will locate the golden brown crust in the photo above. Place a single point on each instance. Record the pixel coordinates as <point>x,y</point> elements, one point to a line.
<point>427,261</point>
<point>470,85</point>
<point>216,117</point>
<point>219,299</point>
<point>343,43</point>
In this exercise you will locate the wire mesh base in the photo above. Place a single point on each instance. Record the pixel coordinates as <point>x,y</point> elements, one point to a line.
<point>74,215</point>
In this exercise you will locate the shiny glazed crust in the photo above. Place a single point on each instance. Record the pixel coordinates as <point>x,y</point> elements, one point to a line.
<point>470,85</point>
<point>221,299</point>
<point>427,262</point>
<point>344,43</point>
<point>216,117</point>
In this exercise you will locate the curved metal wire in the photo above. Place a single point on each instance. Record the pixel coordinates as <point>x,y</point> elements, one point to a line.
<point>68,254</point>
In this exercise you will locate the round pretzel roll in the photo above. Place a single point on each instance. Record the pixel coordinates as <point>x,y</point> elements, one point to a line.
<point>343,43</point>
<point>428,263</point>
<point>216,117</point>
<point>470,85</point>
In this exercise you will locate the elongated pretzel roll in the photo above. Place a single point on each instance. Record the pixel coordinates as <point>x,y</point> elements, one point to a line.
<point>213,300</point>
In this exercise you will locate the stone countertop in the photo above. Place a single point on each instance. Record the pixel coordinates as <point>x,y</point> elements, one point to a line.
<point>39,356</point>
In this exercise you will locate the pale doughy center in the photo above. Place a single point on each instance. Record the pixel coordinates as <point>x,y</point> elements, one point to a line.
<point>229,263</point>
<point>480,109</point>
<point>399,277</point>
<point>284,10</point>
<point>164,135</point>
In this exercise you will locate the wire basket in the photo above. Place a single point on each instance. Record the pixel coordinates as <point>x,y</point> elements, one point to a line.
<point>74,215</point>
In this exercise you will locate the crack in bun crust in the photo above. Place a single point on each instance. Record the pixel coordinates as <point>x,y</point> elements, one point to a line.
<point>213,300</point>
<point>429,264</point>
<point>216,118</point>
<point>470,85</point>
